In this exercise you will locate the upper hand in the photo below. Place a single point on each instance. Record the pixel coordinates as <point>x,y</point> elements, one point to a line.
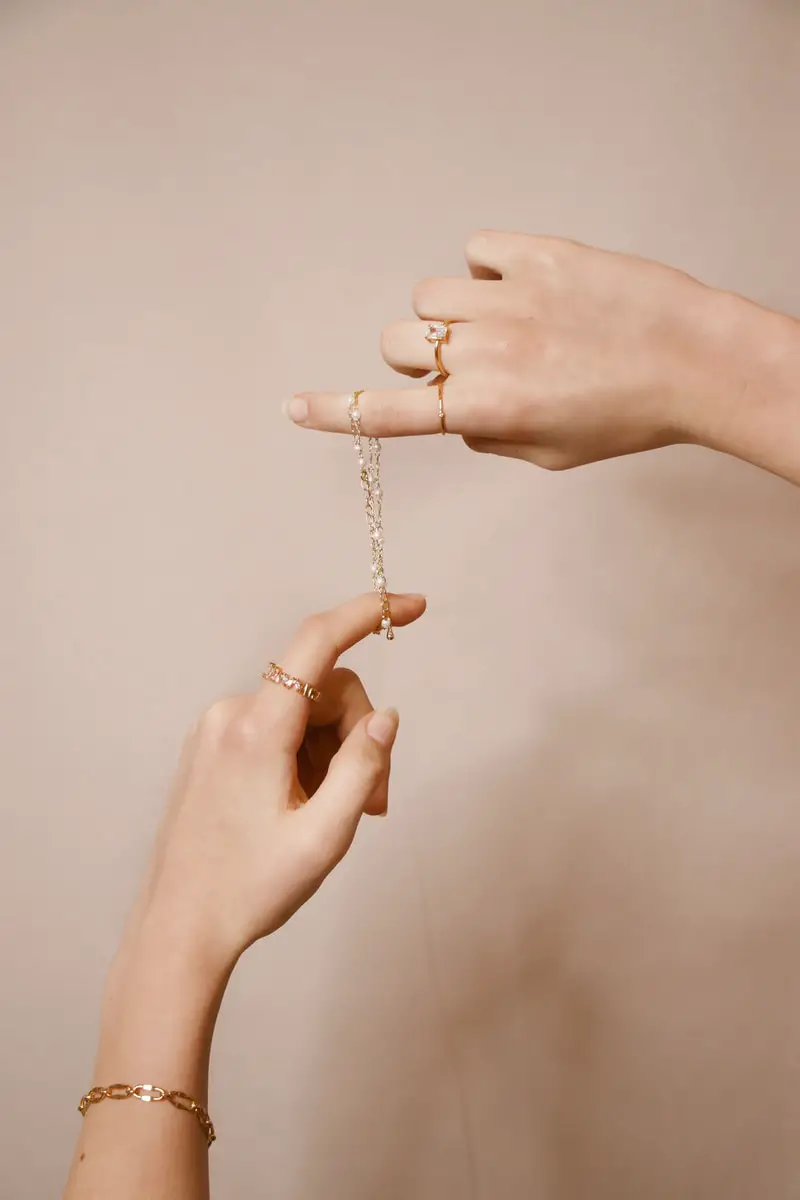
<point>558,353</point>
<point>270,791</point>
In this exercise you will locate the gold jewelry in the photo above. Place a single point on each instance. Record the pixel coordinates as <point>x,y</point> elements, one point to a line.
<point>370,468</point>
<point>150,1094</point>
<point>276,674</point>
<point>437,333</point>
<point>440,390</point>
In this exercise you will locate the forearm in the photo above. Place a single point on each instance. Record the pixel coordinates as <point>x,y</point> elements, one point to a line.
<point>754,395</point>
<point>159,1012</point>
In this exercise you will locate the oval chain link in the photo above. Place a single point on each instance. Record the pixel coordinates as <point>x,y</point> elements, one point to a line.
<point>149,1093</point>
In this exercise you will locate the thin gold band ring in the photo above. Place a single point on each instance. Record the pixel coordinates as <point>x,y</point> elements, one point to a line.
<point>440,390</point>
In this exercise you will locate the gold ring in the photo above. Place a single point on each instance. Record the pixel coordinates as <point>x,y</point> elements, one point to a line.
<point>437,333</point>
<point>440,389</point>
<point>276,674</point>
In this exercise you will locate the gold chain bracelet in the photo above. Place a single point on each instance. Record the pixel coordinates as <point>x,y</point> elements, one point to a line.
<point>150,1094</point>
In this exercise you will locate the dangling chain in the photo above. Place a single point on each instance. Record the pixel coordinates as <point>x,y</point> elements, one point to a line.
<point>370,467</point>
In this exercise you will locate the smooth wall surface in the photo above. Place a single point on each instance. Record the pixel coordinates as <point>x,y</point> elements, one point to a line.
<point>568,966</point>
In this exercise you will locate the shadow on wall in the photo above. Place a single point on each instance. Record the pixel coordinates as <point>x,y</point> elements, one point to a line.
<point>629,914</point>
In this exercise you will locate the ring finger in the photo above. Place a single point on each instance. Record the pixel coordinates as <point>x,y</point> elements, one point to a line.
<point>406,348</point>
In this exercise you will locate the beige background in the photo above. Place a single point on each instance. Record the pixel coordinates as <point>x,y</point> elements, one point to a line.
<point>568,967</point>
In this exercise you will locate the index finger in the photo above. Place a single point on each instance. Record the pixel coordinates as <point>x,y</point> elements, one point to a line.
<point>314,650</point>
<point>397,412</point>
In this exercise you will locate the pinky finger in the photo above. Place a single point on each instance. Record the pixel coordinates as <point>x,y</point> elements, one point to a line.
<point>501,449</point>
<point>546,457</point>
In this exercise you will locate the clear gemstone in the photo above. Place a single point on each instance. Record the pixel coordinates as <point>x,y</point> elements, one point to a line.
<point>437,332</point>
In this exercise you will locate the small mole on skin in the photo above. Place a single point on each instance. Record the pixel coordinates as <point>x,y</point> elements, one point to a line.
<point>82,1157</point>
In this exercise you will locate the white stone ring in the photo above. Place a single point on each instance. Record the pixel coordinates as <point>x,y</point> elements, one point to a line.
<point>437,333</point>
<point>276,674</point>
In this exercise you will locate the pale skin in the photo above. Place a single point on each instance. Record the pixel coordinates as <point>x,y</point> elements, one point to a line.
<point>268,798</point>
<point>560,354</point>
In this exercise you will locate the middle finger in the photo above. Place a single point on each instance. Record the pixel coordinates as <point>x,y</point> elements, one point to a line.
<point>344,703</point>
<point>471,299</point>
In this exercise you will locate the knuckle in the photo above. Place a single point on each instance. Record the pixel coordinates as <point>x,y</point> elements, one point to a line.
<point>499,253</point>
<point>346,678</point>
<point>545,246</point>
<point>424,296</point>
<point>313,629</point>
<point>215,720</point>
<point>552,458</point>
<point>320,846</point>
<point>243,732</point>
<point>311,850</point>
<point>509,342</point>
<point>231,725</point>
<point>478,241</point>
<point>542,258</point>
<point>389,340</point>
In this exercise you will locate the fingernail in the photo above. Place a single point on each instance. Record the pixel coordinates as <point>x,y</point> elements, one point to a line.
<point>382,726</point>
<point>296,409</point>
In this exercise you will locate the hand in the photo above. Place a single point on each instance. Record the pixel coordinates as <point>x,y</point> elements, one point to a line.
<point>558,354</point>
<point>270,792</point>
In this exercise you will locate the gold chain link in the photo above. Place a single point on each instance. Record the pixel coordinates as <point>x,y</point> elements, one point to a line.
<point>369,465</point>
<point>150,1094</point>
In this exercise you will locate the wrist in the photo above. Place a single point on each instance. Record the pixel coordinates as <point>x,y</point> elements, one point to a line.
<point>748,404</point>
<point>160,1006</point>
<point>169,962</point>
<point>165,937</point>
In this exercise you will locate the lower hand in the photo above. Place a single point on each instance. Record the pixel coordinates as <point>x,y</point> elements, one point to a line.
<point>559,354</point>
<point>270,792</point>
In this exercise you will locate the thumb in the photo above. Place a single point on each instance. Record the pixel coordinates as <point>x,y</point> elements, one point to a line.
<point>357,770</point>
